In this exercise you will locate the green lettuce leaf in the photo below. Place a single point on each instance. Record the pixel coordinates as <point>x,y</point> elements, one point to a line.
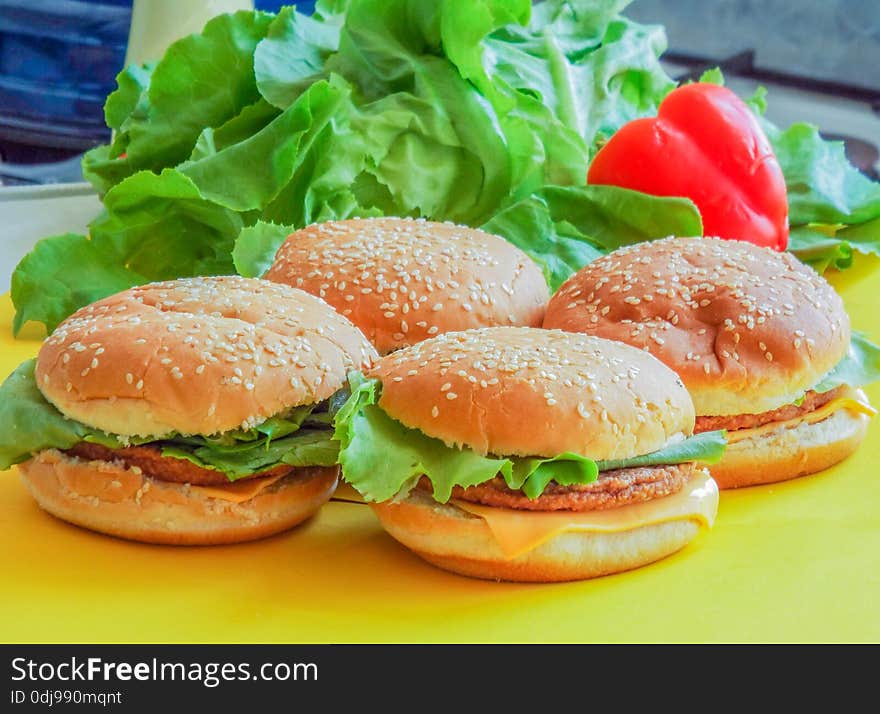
<point>563,229</point>
<point>820,248</point>
<point>861,366</point>
<point>203,80</point>
<point>45,289</point>
<point>104,166</point>
<point>307,447</point>
<point>294,52</point>
<point>823,186</point>
<point>278,149</point>
<point>252,120</point>
<point>30,423</point>
<point>256,246</point>
<point>300,437</point>
<point>834,209</point>
<point>706,447</point>
<point>382,458</point>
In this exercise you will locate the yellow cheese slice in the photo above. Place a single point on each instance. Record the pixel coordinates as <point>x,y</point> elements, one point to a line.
<point>518,532</point>
<point>817,415</point>
<point>240,491</point>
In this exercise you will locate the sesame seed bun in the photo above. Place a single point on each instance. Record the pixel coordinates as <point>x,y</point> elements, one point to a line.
<point>747,328</point>
<point>787,453</point>
<point>402,280</point>
<point>197,356</point>
<point>527,392</point>
<point>113,499</point>
<point>455,540</point>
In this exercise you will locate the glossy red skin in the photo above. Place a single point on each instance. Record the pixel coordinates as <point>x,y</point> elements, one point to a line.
<point>706,145</point>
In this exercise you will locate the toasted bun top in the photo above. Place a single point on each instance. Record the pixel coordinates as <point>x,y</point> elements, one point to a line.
<point>197,356</point>
<point>519,391</point>
<point>402,281</point>
<point>747,328</point>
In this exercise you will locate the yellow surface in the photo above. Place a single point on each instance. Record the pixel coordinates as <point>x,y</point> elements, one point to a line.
<point>798,561</point>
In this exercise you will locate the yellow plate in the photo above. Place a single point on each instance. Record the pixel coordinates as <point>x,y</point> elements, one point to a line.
<point>797,562</point>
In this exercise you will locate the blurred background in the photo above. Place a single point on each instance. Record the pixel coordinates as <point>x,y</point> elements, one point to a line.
<point>59,58</point>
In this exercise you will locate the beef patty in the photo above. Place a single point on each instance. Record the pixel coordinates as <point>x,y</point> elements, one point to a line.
<point>619,487</point>
<point>812,401</point>
<point>148,458</point>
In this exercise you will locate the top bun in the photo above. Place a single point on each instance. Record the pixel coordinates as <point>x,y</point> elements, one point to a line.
<point>197,356</point>
<point>524,392</point>
<point>747,328</point>
<point>402,280</point>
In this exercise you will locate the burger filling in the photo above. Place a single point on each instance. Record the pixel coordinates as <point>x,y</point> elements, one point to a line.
<point>383,459</point>
<point>150,459</point>
<point>860,366</point>
<point>611,489</point>
<point>300,437</point>
<point>811,402</point>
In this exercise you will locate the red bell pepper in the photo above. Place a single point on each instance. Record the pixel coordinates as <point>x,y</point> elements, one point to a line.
<point>706,145</point>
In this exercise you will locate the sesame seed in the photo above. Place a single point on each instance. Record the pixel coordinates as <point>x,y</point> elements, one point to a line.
<point>451,395</point>
<point>129,377</point>
<point>435,412</point>
<point>446,387</point>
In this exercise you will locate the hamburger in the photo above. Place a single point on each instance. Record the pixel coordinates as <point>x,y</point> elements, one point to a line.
<point>761,341</point>
<point>528,455</point>
<point>402,280</point>
<point>191,412</point>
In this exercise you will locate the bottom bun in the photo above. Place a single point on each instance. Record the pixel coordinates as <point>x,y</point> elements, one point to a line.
<point>456,540</point>
<point>110,498</point>
<point>788,453</point>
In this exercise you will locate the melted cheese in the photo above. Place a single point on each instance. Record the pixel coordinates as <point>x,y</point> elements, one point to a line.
<point>817,415</point>
<point>239,491</point>
<point>518,532</point>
